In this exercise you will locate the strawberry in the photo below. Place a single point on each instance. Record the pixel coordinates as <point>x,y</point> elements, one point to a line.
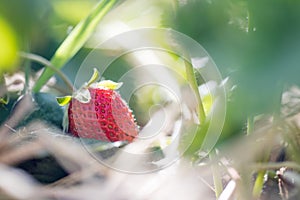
<point>97,111</point>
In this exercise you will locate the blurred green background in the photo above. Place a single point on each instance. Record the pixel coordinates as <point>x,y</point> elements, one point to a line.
<point>254,43</point>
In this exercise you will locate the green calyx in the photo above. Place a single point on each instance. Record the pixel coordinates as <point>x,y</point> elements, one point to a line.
<point>62,101</point>
<point>93,78</point>
<point>83,95</point>
<point>107,84</point>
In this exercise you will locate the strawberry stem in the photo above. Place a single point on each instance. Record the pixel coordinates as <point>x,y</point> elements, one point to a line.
<point>47,63</point>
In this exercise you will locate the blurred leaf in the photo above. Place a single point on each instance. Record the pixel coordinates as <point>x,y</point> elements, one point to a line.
<point>195,140</point>
<point>207,102</point>
<point>45,169</point>
<point>72,11</point>
<point>9,47</point>
<point>75,40</point>
<point>46,109</point>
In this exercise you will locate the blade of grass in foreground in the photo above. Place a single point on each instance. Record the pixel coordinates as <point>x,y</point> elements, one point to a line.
<point>75,41</point>
<point>192,81</point>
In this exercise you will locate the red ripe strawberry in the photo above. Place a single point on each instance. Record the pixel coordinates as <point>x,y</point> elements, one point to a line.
<point>97,111</point>
<point>105,117</point>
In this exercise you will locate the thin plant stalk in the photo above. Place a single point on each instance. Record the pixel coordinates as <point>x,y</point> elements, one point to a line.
<point>217,178</point>
<point>258,184</point>
<point>250,125</point>
<point>192,81</point>
<point>259,181</point>
<point>47,63</point>
<point>260,178</point>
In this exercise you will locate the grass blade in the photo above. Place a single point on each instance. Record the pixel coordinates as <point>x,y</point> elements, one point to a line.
<point>75,40</point>
<point>192,81</point>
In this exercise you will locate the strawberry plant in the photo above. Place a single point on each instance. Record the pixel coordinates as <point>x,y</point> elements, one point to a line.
<point>86,143</point>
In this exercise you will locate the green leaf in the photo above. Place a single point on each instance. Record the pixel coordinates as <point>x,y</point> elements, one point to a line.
<point>75,40</point>
<point>9,47</point>
<point>62,101</point>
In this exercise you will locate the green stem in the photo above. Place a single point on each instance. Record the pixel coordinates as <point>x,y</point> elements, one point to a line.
<point>75,40</point>
<point>192,81</point>
<point>250,125</point>
<point>47,63</point>
<point>258,184</point>
<point>259,181</point>
<point>217,178</point>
